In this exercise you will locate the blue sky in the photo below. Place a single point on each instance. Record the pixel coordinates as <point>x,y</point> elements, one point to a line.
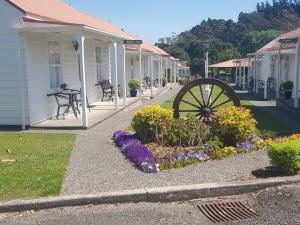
<point>153,19</point>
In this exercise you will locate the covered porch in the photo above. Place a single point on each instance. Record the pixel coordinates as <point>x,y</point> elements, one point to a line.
<point>77,58</point>
<point>234,72</point>
<point>98,112</point>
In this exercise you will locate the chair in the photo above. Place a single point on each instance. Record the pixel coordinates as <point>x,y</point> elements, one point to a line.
<point>155,83</point>
<point>108,90</point>
<point>61,104</point>
<point>147,83</point>
<point>79,100</point>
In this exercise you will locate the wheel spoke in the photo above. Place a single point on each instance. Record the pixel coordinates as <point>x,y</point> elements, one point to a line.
<point>222,104</point>
<point>216,99</point>
<point>202,95</point>
<point>195,98</point>
<point>210,94</point>
<point>188,110</point>
<point>191,104</point>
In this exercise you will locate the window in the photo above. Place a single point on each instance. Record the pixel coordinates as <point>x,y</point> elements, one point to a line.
<point>55,70</point>
<point>99,64</point>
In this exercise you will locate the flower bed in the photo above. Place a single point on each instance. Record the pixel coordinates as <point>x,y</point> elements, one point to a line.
<point>153,158</point>
<point>175,143</point>
<point>135,151</point>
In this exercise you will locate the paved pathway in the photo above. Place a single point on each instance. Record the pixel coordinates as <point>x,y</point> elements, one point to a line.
<point>291,121</point>
<point>96,165</point>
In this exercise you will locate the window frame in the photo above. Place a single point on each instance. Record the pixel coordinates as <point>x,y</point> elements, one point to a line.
<point>55,44</point>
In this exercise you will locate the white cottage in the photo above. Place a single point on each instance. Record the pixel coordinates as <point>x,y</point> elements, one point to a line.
<point>44,44</point>
<point>275,63</point>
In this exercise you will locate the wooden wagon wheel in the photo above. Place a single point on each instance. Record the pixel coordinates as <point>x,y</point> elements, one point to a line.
<point>192,99</point>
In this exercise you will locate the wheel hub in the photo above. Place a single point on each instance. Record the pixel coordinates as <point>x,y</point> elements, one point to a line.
<point>206,112</point>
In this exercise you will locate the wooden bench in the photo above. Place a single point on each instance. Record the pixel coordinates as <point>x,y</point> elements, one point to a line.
<point>108,90</point>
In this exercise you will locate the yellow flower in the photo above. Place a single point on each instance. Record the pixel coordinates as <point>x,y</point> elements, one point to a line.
<point>269,141</point>
<point>294,136</point>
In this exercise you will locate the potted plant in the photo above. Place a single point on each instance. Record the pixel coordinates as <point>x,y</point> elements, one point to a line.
<point>288,87</point>
<point>133,85</point>
<point>164,81</point>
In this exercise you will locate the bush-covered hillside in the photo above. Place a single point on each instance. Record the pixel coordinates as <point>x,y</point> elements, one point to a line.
<point>234,39</point>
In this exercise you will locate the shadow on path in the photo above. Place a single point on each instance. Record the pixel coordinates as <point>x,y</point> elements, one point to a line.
<point>270,117</point>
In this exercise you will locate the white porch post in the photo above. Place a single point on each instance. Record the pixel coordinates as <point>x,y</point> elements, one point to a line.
<point>109,64</point>
<point>152,75</point>
<point>236,74</point>
<point>265,86</point>
<point>167,71</point>
<point>244,78</point>
<point>240,73</point>
<point>297,70</point>
<point>124,76</point>
<point>158,72</point>
<point>254,74</point>
<point>249,72</point>
<point>257,81</point>
<point>175,72</point>
<point>81,40</point>
<point>161,71</point>
<point>116,74</point>
<point>278,73</point>
<point>140,70</point>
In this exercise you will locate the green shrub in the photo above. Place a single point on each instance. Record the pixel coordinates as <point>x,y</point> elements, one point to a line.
<point>286,155</point>
<point>134,84</point>
<point>288,85</point>
<point>183,132</point>
<point>233,125</point>
<point>213,148</point>
<point>147,121</point>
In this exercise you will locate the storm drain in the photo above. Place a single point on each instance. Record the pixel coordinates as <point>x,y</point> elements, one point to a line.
<point>224,211</point>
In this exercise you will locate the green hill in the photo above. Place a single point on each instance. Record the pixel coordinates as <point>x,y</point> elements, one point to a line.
<point>234,39</point>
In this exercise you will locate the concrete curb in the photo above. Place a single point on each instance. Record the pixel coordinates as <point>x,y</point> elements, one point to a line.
<point>165,194</point>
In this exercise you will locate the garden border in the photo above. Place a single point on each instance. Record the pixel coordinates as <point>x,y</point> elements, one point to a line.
<point>164,194</point>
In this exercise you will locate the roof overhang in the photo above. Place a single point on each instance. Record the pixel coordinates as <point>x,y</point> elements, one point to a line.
<point>32,25</point>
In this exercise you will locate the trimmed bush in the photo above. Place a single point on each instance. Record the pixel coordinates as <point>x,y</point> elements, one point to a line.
<point>134,84</point>
<point>147,121</point>
<point>286,155</point>
<point>233,125</point>
<point>183,132</point>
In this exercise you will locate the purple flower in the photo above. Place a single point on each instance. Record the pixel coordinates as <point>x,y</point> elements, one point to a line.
<point>182,157</point>
<point>245,146</point>
<point>201,156</point>
<point>135,151</point>
<point>119,133</point>
<point>125,139</point>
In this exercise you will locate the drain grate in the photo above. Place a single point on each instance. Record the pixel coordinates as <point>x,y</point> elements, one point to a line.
<point>224,211</point>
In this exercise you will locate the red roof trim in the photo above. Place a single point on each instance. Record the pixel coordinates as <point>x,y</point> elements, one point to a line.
<point>15,6</point>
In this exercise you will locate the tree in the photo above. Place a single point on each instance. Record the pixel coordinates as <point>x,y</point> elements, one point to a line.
<point>255,40</point>
<point>234,39</point>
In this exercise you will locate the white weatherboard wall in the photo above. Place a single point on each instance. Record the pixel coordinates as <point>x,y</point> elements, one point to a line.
<point>13,86</point>
<point>43,107</point>
<point>265,67</point>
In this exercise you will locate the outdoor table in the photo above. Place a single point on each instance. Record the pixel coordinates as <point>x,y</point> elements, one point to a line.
<point>71,95</point>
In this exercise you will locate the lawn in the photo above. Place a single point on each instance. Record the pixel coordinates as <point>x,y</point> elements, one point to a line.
<point>196,91</point>
<point>33,165</point>
<point>266,124</point>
